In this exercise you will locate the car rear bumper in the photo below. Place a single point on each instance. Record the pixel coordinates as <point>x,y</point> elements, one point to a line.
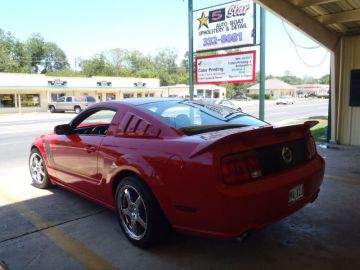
<point>252,205</point>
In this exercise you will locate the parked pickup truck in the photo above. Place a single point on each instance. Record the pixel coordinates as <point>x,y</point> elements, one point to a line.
<point>71,103</point>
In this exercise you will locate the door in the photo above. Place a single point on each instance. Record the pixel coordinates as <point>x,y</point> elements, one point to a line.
<point>75,156</point>
<point>69,105</point>
<point>60,103</point>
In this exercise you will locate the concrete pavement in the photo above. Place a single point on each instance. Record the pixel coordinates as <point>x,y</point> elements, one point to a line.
<point>56,229</point>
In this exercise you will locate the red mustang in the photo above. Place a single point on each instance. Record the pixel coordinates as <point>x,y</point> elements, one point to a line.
<point>198,168</point>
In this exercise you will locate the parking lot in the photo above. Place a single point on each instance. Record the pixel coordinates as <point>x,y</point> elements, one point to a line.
<point>44,229</point>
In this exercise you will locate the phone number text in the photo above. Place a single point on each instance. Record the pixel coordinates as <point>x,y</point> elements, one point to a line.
<point>229,38</point>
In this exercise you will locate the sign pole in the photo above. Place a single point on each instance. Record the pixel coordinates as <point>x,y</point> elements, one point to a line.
<point>262,65</point>
<point>191,50</point>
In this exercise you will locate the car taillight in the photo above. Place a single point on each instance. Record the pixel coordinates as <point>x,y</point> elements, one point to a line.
<point>311,147</point>
<point>238,168</point>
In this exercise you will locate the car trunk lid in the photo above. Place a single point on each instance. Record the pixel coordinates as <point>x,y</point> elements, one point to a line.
<point>265,150</point>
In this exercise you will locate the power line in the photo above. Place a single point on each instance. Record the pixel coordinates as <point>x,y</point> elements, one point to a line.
<point>310,65</point>
<point>297,46</point>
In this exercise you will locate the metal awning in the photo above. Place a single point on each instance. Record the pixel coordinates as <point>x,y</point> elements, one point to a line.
<point>342,16</point>
<point>326,21</point>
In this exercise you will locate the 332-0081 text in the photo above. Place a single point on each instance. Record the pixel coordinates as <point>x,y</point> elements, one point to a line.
<point>229,38</point>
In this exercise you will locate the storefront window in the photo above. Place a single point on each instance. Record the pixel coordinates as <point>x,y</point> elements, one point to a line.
<point>56,96</point>
<point>139,95</point>
<point>110,96</point>
<point>151,95</point>
<point>200,92</point>
<point>128,95</point>
<point>30,100</point>
<point>7,100</point>
<point>216,94</point>
<point>208,93</point>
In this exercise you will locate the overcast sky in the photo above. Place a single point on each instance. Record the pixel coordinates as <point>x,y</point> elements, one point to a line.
<point>85,27</point>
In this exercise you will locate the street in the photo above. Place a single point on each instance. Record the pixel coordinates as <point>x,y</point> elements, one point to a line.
<point>275,114</point>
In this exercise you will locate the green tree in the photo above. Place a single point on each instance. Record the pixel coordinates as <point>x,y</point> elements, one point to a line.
<point>118,58</point>
<point>165,60</point>
<point>290,79</point>
<point>13,57</point>
<point>44,56</point>
<point>325,79</point>
<point>34,47</point>
<point>97,65</point>
<point>138,61</point>
<point>54,58</point>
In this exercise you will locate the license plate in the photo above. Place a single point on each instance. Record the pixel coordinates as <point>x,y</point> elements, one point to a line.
<point>296,194</point>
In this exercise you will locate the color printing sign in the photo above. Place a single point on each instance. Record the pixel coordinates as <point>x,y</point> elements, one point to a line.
<point>236,67</point>
<point>224,26</point>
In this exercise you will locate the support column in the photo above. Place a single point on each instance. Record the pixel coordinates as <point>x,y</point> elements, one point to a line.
<point>191,50</point>
<point>262,65</point>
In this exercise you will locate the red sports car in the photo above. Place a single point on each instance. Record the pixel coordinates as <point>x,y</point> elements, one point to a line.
<point>199,168</point>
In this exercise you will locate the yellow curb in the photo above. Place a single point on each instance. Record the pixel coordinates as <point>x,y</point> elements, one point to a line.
<point>73,247</point>
<point>350,179</point>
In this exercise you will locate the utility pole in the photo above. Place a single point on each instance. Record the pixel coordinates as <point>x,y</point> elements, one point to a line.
<point>262,65</point>
<point>19,102</point>
<point>191,49</point>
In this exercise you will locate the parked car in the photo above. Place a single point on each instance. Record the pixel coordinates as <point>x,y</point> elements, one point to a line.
<point>241,97</point>
<point>302,95</point>
<point>286,100</point>
<point>71,103</point>
<point>223,102</point>
<point>161,163</point>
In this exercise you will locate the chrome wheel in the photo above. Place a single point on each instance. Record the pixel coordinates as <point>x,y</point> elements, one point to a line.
<point>132,212</point>
<point>37,168</point>
<point>77,110</point>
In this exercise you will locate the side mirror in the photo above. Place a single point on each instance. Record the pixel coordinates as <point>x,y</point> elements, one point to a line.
<point>64,129</point>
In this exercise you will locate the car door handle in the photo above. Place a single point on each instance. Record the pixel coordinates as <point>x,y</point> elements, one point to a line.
<point>90,148</point>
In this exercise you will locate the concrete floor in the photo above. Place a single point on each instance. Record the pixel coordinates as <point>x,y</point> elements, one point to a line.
<point>58,230</point>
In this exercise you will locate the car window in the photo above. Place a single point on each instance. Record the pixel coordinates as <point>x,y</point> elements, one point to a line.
<point>79,99</point>
<point>90,99</point>
<point>225,102</point>
<point>101,117</point>
<point>186,114</point>
<point>68,99</point>
<point>62,99</point>
<point>180,116</point>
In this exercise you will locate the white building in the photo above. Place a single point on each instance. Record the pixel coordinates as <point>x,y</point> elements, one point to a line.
<point>275,88</point>
<point>321,90</point>
<point>200,91</point>
<point>32,92</point>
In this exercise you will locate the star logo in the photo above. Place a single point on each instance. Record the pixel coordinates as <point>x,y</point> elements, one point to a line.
<point>203,20</point>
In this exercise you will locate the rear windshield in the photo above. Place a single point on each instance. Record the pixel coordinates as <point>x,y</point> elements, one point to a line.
<point>194,118</point>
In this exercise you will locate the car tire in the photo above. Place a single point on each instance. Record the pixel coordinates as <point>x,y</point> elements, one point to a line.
<point>139,214</point>
<point>77,109</point>
<point>38,171</point>
<point>52,109</point>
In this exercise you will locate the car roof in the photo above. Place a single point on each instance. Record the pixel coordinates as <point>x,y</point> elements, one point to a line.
<point>141,101</point>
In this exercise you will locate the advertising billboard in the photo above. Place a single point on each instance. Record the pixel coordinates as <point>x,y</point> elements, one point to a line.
<point>236,67</point>
<point>224,26</point>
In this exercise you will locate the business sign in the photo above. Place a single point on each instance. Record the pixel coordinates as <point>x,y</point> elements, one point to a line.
<point>236,67</point>
<point>224,26</point>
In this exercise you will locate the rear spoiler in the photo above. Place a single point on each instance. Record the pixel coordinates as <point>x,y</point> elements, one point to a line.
<point>247,134</point>
<point>311,123</point>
